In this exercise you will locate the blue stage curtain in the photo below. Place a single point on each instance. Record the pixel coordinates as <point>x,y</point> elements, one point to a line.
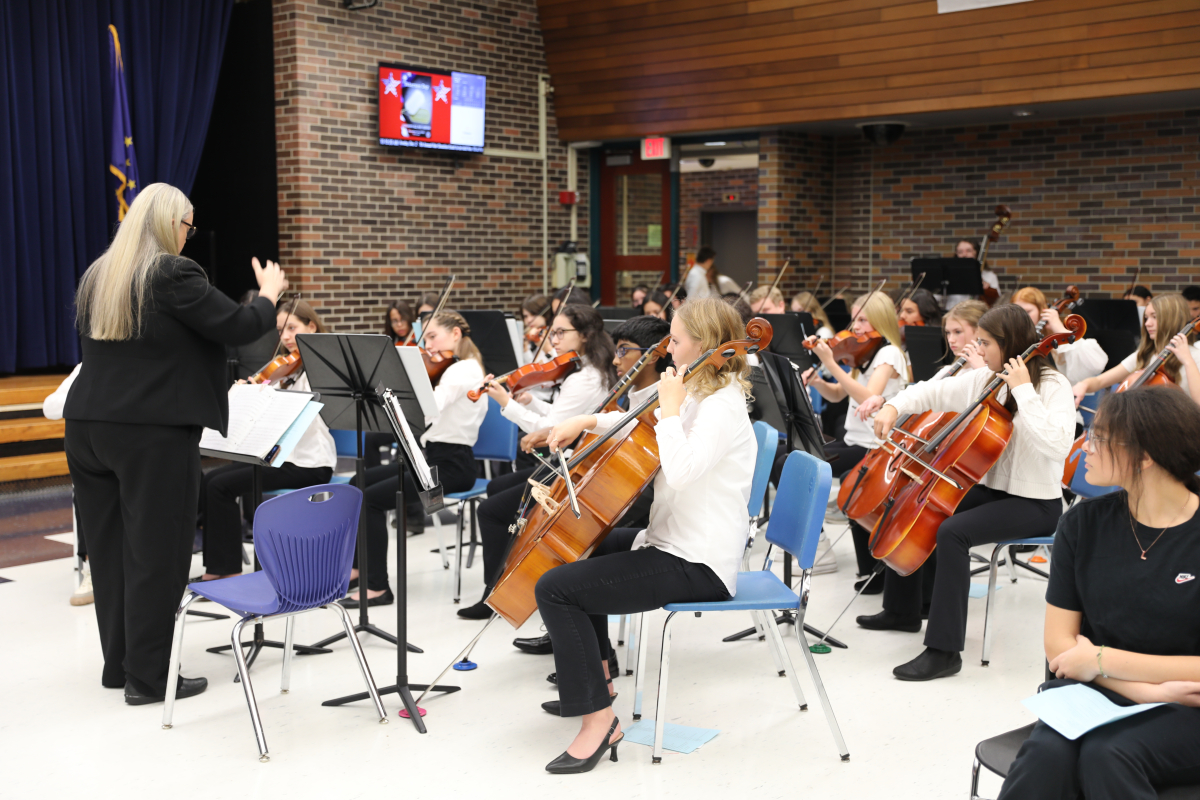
<point>56,210</point>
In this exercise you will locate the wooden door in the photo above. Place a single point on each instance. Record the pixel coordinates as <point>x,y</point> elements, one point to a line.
<point>635,226</point>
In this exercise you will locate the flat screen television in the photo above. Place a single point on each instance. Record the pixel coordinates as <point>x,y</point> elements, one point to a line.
<point>431,109</point>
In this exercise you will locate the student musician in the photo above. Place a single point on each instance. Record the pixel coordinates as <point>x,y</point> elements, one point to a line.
<point>696,282</point>
<point>447,442</point>
<point>1165,316</point>
<point>153,332</point>
<point>1020,493</point>
<point>885,375</point>
<point>577,328</point>
<point>920,308</point>
<point>1077,360</point>
<point>656,305</point>
<point>1192,295</point>
<point>398,321</point>
<point>533,316</point>
<point>806,302</point>
<point>1140,295</point>
<point>960,325</point>
<point>310,464</point>
<point>767,300</point>
<point>692,548</point>
<point>639,295</point>
<point>965,248</point>
<point>1121,609</point>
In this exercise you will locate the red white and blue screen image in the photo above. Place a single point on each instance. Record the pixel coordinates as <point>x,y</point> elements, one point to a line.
<point>431,109</point>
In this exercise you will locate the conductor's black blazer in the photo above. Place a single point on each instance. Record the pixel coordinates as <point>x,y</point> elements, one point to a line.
<point>174,372</point>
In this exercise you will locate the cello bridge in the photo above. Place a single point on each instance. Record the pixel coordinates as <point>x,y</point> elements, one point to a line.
<point>541,495</point>
<point>913,476</point>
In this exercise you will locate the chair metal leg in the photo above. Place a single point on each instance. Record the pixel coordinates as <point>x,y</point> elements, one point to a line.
<point>363,667</point>
<point>631,644</point>
<point>660,707</point>
<point>784,659</point>
<point>176,653</point>
<point>1012,564</point>
<point>763,621</point>
<point>285,680</point>
<point>458,548</point>
<point>621,635</point>
<point>975,779</point>
<point>834,728</point>
<point>639,673</point>
<point>437,527</point>
<point>987,609</point>
<point>474,532</point>
<point>235,639</point>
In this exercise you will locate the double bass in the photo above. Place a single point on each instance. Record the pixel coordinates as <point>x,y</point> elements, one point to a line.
<point>1003,216</point>
<point>1150,375</point>
<point>947,466</point>
<point>608,474</point>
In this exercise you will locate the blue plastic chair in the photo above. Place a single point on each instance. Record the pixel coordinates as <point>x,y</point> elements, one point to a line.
<point>795,527</point>
<point>498,440</point>
<point>305,546</point>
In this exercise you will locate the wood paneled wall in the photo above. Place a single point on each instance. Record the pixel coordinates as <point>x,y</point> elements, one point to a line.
<point>627,68</point>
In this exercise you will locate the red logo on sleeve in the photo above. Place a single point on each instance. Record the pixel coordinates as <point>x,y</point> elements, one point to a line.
<point>1184,577</point>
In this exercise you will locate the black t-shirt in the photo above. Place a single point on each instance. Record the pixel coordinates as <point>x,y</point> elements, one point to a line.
<point>1146,606</point>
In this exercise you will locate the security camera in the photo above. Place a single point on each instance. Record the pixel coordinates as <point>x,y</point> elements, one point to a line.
<point>883,133</point>
<point>707,162</point>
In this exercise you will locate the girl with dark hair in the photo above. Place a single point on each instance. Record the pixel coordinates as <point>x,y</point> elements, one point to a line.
<point>656,304</point>
<point>398,321</point>
<point>1121,609</point>
<point>920,308</point>
<point>1020,493</point>
<point>534,311</point>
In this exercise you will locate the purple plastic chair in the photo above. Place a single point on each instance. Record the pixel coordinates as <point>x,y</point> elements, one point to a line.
<point>306,548</point>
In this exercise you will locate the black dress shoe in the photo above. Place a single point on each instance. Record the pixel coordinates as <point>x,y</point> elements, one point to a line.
<point>539,646</point>
<point>385,599</point>
<point>552,707</point>
<point>553,678</point>
<point>874,587</point>
<point>930,665</point>
<point>480,610</point>
<point>887,621</point>
<point>567,764</point>
<point>187,687</point>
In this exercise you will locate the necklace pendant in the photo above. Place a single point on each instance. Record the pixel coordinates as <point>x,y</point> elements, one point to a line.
<point>1143,555</point>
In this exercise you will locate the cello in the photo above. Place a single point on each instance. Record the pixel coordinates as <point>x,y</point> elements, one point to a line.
<point>952,462</point>
<point>1070,301</point>
<point>606,476</point>
<point>1150,375</point>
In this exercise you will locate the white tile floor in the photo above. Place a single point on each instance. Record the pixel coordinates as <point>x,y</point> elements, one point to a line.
<point>62,735</point>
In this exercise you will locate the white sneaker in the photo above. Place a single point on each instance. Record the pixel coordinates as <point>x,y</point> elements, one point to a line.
<point>83,594</point>
<point>826,560</point>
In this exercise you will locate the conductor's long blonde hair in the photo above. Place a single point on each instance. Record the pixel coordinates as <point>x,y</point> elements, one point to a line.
<point>713,322</point>
<point>112,293</point>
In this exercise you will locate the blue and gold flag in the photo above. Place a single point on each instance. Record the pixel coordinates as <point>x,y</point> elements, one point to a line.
<point>122,161</point>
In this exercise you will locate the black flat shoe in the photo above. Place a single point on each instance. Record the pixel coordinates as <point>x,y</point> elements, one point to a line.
<point>887,621</point>
<point>874,587</point>
<point>567,764</point>
<point>553,678</point>
<point>480,610</point>
<point>187,687</point>
<point>385,599</point>
<point>930,665</point>
<point>539,646</point>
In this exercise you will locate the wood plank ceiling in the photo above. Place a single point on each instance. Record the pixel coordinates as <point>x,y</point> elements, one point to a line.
<point>628,68</point>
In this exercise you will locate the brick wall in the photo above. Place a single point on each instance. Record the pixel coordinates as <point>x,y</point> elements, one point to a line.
<point>795,208</point>
<point>706,191</point>
<point>1093,199</point>
<point>360,224</point>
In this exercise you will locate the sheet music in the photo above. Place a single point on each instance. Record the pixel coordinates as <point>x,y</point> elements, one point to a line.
<point>416,456</point>
<point>258,417</point>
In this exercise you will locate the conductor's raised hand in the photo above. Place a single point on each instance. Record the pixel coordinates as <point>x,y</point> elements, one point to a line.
<point>271,280</point>
<point>671,392</point>
<point>885,418</point>
<point>568,431</point>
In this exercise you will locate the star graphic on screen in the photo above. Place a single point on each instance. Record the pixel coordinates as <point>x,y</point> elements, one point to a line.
<point>440,91</point>
<point>390,83</point>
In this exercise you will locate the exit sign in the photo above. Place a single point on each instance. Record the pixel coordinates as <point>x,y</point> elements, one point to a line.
<point>655,148</point>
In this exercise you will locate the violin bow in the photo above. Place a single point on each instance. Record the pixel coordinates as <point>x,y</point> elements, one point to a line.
<point>870,294</point>
<point>1136,274</point>
<point>908,293</point>
<point>742,294</point>
<point>441,303</point>
<point>836,295</point>
<point>566,293</point>
<point>774,284</point>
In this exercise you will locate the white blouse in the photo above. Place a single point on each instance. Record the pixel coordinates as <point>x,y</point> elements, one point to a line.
<point>1081,359</point>
<point>1043,428</point>
<point>458,419</point>
<point>863,433</point>
<point>701,492</point>
<point>316,447</point>
<point>579,394</point>
<point>1130,363</point>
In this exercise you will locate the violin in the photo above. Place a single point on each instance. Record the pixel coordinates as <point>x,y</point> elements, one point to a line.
<point>278,368</point>
<point>530,375</point>
<point>608,475</point>
<point>849,348</point>
<point>1003,215</point>
<point>437,362</point>
<point>1150,375</point>
<point>947,466</point>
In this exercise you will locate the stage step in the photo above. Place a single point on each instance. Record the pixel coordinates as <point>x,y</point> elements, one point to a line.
<point>30,429</point>
<point>38,465</point>
<point>22,390</point>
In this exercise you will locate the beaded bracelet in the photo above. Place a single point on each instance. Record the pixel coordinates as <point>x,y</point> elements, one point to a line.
<point>1100,661</point>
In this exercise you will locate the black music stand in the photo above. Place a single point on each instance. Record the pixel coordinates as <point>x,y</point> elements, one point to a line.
<point>619,312</point>
<point>927,350</point>
<point>838,313</point>
<point>347,370</point>
<point>788,332</point>
<point>950,275</point>
<point>489,332</point>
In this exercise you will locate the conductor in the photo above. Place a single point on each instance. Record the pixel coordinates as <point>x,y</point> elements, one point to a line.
<point>153,333</point>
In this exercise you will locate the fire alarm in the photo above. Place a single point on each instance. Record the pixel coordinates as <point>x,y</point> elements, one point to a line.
<point>568,198</point>
<point>731,198</point>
